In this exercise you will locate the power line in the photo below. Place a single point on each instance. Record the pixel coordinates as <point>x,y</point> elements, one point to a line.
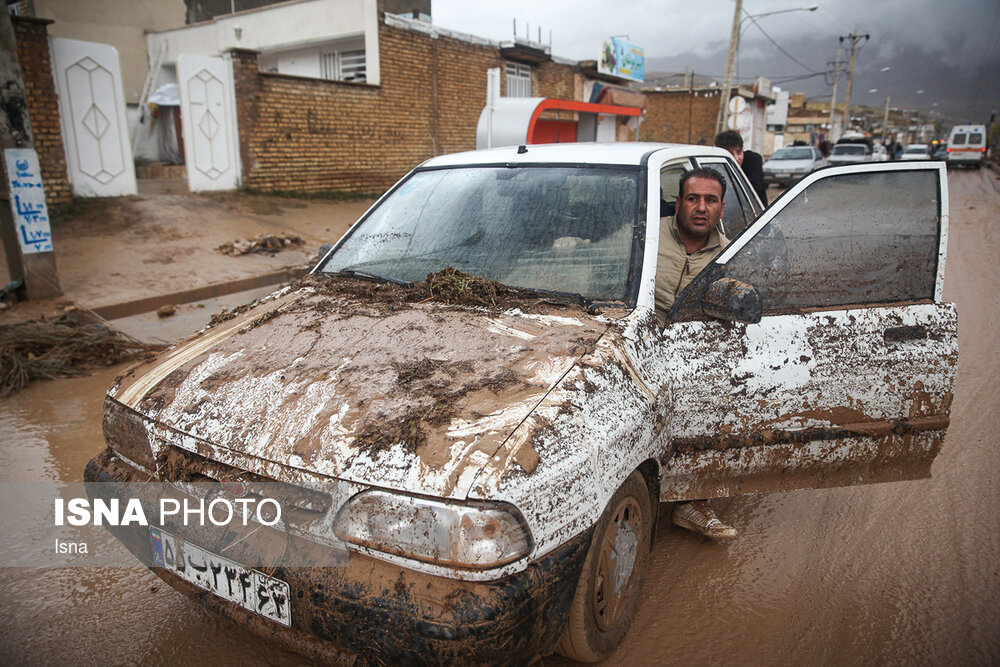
<point>781,48</point>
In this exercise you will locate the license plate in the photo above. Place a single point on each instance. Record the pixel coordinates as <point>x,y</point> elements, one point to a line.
<point>249,588</point>
<point>783,175</point>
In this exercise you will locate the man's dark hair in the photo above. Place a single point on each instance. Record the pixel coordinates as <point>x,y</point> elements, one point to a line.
<point>729,140</point>
<point>702,172</point>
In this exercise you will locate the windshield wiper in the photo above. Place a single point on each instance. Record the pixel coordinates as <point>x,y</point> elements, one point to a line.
<point>364,275</point>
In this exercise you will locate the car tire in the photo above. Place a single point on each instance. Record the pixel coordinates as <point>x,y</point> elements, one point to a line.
<point>604,605</point>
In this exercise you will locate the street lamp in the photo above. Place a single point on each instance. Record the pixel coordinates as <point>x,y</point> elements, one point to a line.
<point>751,17</point>
<point>734,45</point>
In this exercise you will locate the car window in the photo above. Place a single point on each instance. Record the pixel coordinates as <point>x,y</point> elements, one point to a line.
<point>849,149</point>
<point>975,138</point>
<point>670,182</point>
<point>738,211</point>
<point>793,154</point>
<point>848,239</point>
<point>958,140</point>
<point>563,229</point>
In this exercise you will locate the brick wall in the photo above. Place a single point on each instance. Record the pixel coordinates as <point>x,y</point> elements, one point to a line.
<point>311,135</point>
<point>43,105</point>
<point>555,80</point>
<point>678,116</point>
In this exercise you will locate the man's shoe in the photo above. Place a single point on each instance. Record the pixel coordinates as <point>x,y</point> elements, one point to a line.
<point>697,517</point>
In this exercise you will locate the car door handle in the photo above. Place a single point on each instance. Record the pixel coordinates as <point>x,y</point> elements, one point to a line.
<point>899,334</point>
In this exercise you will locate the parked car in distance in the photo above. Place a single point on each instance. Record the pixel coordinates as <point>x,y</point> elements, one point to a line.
<point>791,163</point>
<point>916,152</point>
<point>850,154</point>
<point>939,150</point>
<point>879,153</point>
<point>472,408</point>
<point>967,146</point>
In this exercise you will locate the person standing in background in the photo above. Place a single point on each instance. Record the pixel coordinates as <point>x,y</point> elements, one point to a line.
<point>751,163</point>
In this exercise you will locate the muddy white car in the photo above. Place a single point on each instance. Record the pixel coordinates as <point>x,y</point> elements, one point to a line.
<point>472,393</point>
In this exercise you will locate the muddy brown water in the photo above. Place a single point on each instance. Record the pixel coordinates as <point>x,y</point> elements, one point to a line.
<point>905,573</point>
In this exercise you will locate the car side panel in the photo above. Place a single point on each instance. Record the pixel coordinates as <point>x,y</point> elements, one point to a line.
<point>830,398</point>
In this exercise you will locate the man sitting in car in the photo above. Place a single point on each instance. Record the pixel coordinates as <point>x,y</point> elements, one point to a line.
<point>688,242</point>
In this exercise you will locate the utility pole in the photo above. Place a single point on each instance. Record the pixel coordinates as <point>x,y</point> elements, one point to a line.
<point>855,38</point>
<point>734,40</point>
<point>24,216</point>
<point>885,122</point>
<point>689,75</point>
<point>833,100</point>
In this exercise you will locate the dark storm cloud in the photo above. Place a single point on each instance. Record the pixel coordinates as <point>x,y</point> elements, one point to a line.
<point>949,49</point>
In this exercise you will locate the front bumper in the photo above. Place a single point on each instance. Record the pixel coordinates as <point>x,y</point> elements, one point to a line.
<point>384,613</point>
<point>965,160</point>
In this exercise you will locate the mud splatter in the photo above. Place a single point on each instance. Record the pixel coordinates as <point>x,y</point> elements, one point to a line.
<point>409,429</point>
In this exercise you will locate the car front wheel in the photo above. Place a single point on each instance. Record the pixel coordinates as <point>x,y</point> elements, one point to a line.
<point>612,575</point>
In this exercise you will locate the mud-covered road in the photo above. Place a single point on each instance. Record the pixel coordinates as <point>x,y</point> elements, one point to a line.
<point>905,573</point>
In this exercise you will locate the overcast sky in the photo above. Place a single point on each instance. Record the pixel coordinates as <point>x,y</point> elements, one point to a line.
<point>949,50</point>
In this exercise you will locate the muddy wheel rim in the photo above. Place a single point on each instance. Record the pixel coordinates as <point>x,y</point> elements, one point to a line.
<point>615,583</point>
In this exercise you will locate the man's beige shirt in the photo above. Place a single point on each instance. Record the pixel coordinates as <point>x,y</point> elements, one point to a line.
<point>675,269</point>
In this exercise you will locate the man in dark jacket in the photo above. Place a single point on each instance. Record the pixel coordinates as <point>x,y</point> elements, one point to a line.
<point>752,163</point>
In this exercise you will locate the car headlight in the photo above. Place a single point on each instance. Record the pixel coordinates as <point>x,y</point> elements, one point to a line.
<point>125,432</point>
<point>474,535</point>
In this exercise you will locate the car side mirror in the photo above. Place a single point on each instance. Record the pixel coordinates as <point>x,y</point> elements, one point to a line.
<point>730,300</point>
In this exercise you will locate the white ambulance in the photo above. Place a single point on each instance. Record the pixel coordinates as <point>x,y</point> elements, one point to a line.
<point>967,145</point>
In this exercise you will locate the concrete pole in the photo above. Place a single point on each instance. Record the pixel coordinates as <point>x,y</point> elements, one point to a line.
<point>734,44</point>
<point>833,100</point>
<point>885,121</point>
<point>690,82</point>
<point>24,218</point>
<point>854,37</point>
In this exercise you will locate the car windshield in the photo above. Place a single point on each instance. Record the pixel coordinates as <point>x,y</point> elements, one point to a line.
<point>793,154</point>
<point>561,229</point>
<point>849,149</point>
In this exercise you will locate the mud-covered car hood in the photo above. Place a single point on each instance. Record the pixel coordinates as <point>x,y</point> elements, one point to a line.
<point>414,396</point>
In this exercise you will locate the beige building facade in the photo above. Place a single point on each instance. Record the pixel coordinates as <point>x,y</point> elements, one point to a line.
<point>121,23</point>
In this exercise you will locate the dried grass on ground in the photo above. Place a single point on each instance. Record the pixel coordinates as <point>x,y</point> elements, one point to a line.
<point>268,243</point>
<point>57,347</point>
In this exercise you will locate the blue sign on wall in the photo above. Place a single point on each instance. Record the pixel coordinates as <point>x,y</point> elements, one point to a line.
<point>619,58</point>
<point>27,200</point>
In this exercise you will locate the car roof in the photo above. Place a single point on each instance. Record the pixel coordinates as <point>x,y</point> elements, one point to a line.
<point>622,153</point>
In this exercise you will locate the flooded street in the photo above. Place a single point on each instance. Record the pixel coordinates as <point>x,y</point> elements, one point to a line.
<point>905,573</point>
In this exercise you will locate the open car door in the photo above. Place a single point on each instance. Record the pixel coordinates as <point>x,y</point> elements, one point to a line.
<point>816,350</point>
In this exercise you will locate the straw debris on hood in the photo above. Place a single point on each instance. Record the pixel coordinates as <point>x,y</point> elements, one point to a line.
<point>57,347</point>
<point>449,286</point>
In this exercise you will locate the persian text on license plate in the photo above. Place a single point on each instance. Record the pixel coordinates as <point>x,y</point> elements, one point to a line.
<point>251,589</point>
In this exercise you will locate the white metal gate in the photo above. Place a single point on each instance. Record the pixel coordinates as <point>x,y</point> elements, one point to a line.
<point>208,118</point>
<point>92,112</point>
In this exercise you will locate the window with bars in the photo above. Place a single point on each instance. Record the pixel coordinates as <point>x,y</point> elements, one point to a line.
<point>518,80</point>
<point>343,65</point>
